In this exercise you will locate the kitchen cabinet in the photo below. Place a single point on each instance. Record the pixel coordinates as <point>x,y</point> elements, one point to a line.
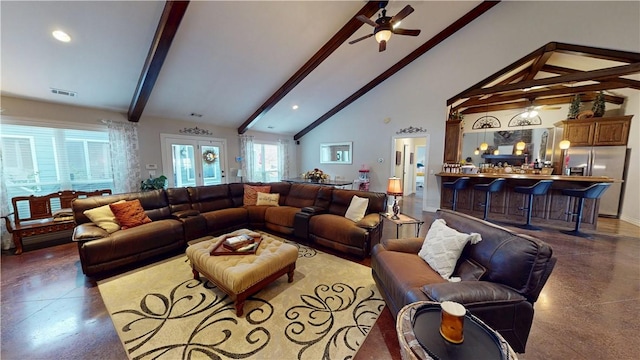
<point>452,141</point>
<point>607,131</point>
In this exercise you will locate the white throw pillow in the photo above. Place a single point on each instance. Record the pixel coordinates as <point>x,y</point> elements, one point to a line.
<point>267,199</point>
<point>104,217</point>
<point>443,246</point>
<point>357,208</point>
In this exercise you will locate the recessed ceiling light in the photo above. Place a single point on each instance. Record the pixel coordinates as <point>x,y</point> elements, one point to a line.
<point>61,36</point>
<point>295,107</point>
<point>270,127</point>
<point>195,115</point>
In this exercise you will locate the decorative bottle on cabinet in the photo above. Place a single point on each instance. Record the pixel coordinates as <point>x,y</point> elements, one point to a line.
<point>363,179</point>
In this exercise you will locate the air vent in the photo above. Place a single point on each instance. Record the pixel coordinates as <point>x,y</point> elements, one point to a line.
<point>64,92</point>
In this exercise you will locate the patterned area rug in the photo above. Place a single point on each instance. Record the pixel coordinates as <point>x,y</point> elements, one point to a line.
<point>161,312</point>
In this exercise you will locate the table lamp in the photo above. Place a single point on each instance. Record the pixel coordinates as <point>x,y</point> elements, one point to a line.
<point>240,174</point>
<point>394,187</point>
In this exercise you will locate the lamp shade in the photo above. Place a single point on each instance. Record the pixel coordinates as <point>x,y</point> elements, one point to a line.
<point>564,144</point>
<point>521,145</point>
<point>240,173</point>
<point>383,35</point>
<point>394,186</point>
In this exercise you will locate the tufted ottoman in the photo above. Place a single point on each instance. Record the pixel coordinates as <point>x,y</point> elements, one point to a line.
<point>242,275</point>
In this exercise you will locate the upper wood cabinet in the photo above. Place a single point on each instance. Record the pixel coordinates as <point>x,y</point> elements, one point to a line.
<point>452,141</point>
<point>597,131</point>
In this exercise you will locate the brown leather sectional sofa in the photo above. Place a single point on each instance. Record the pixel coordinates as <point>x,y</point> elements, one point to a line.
<point>502,275</point>
<point>306,211</point>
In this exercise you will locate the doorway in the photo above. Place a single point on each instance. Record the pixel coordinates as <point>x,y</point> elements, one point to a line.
<point>411,156</point>
<point>193,161</point>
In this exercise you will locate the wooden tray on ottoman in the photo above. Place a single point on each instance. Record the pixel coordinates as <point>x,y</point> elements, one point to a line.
<point>221,250</point>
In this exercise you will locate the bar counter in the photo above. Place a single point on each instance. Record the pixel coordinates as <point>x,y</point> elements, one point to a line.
<point>506,205</point>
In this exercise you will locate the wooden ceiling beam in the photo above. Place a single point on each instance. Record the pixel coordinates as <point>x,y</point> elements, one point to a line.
<point>535,94</point>
<point>368,10</point>
<point>561,79</point>
<point>522,104</point>
<point>598,53</point>
<point>435,40</point>
<point>167,28</point>
<point>537,65</point>
<point>527,58</point>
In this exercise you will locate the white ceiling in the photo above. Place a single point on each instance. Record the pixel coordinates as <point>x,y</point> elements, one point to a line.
<point>227,58</point>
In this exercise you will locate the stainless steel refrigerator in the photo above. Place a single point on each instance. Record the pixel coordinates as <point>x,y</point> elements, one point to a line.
<point>608,161</point>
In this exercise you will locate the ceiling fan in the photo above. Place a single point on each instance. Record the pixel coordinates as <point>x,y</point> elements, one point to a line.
<point>385,25</point>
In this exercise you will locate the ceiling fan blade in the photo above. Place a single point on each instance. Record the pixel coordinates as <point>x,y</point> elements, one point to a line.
<point>360,39</point>
<point>383,46</point>
<point>402,14</point>
<point>366,20</point>
<point>406,32</point>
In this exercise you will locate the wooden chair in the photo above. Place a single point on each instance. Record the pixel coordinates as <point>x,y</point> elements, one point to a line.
<point>40,219</point>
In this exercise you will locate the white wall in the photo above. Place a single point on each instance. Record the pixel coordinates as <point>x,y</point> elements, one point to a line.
<point>417,95</point>
<point>149,129</point>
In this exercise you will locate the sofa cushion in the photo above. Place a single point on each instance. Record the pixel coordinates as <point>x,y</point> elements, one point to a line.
<point>357,208</point>
<point>281,215</point>
<point>251,193</point>
<point>443,246</point>
<point>104,217</point>
<point>129,214</point>
<point>267,199</point>
<point>469,270</point>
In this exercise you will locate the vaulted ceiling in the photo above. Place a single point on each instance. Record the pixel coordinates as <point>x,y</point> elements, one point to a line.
<point>238,64</point>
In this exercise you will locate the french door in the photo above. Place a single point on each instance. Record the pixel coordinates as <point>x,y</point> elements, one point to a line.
<point>193,161</point>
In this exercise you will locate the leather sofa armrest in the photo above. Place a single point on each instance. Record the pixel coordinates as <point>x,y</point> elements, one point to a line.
<point>87,232</point>
<point>313,210</point>
<point>406,245</point>
<point>471,293</point>
<point>185,214</point>
<point>369,221</point>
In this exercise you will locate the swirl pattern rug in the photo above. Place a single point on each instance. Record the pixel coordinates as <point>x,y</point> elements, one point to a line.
<point>161,312</point>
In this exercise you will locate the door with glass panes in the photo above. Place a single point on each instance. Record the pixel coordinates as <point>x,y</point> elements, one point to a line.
<point>189,161</point>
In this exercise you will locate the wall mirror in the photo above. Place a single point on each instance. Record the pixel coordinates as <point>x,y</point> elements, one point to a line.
<point>336,153</point>
<point>540,143</point>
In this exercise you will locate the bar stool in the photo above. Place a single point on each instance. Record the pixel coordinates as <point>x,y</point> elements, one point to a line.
<point>539,188</point>
<point>494,186</point>
<point>594,191</point>
<point>459,184</point>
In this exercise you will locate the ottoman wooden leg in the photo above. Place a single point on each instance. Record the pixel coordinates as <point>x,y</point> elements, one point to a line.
<point>292,269</point>
<point>196,274</point>
<point>239,306</point>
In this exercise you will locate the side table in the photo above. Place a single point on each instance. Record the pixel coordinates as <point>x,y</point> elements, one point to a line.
<point>417,327</point>
<point>404,220</point>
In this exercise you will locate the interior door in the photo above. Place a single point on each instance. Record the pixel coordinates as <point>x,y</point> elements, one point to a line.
<point>193,161</point>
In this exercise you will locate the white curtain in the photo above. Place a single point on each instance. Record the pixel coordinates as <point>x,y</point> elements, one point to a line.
<point>283,157</point>
<point>246,153</point>
<point>125,162</point>
<point>4,210</point>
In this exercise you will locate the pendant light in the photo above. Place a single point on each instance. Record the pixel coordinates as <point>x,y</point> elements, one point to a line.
<point>484,146</point>
<point>477,151</point>
<point>521,144</point>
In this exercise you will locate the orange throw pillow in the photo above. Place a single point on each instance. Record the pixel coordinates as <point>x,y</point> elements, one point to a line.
<point>129,214</point>
<point>251,193</point>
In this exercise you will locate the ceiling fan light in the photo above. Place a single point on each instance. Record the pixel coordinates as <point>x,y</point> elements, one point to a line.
<point>484,146</point>
<point>520,145</point>
<point>383,35</point>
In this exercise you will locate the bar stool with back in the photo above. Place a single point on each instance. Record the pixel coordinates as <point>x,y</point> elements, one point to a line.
<point>539,188</point>
<point>494,186</point>
<point>459,184</point>
<point>594,191</point>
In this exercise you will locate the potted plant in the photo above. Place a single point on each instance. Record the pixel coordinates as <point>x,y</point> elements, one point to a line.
<point>153,183</point>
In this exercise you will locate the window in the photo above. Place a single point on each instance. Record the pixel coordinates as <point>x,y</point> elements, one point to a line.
<point>265,162</point>
<point>41,160</point>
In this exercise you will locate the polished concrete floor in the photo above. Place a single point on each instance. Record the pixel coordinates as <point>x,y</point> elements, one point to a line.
<point>589,309</point>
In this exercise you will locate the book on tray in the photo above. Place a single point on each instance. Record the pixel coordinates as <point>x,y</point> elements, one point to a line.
<point>237,242</point>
